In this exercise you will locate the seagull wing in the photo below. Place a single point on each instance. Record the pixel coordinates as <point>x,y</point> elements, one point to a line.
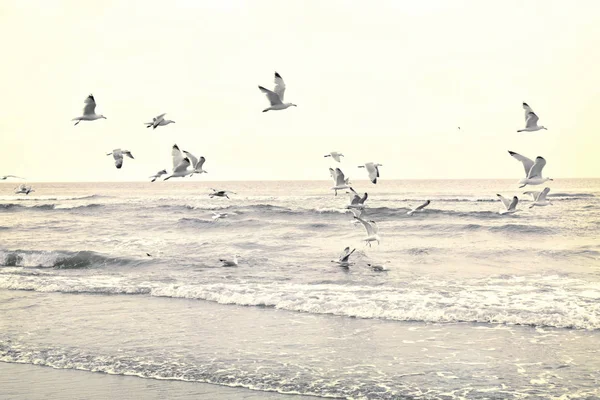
<point>279,86</point>
<point>536,169</point>
<point>339,177</point>
<point>357,213</point>
<point>422,206</point>
<point>192,158</point>
<point>332,173</point>
<point>534,195</point>
<point>335,156</point>
<point>159,118</point>
<point>367,226</point>
<point>183,165</point>
<point>347,254</point>
<point>355,200</point>
<point>531,120</point>
<point>128,153</point>
<point>364,198</point>
<point>272,96</point>
<point>527,109</point>
<point>201,162</point>
<point>504,200</point>
<point>527,163</point>
<point>513,204</point>
<point>177,156</point>
<point>90,106</point>
<point>543,194</point>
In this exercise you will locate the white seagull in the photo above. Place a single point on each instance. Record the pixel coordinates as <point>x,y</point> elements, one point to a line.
<point>419,208</point>
<point>377,267</point>
<point>372,230</point>
<point>230,263</point>
<point>158,175</point>
<point>539,198</point>
<point>118,156</point>
<point>342,261</point>
<point>219,193</point>
<point>276,96</point>
<point>531,120</point>
<point>5,177</point>
<point>373,170</point>
<point>335,155</point>
<point>217,215</point>
<point>357,201</point>
<point>196,163</point>
<point>24,189</point>
<point>180,164</point>
<point>339,181</point>
<point>159,121</point>
<point>509,205</point>
<point>89,111</point>
<point>533,170</point>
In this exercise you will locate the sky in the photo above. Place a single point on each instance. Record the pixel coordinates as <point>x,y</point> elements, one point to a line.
<point>383,81</point>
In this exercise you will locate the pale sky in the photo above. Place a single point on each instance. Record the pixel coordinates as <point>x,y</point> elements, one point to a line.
<point>384,81</point>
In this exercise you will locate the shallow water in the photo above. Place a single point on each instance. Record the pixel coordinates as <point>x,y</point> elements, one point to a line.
<point>473,304</point>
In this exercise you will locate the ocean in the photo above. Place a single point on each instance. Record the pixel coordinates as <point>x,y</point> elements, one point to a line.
<point>472,305</point>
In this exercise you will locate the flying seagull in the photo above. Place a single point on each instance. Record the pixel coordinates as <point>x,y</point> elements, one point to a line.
<point>372,230</point>
<point>342,261</point>
<point>531,120</point>
<point>180,164</point>
<point>373,171</point>
<point>357,201</point>
<point>510,206</point>
<point>159,121</point>
<point>230,263</point>
<point>533,170</point>
<point>339,181</point>
<point>196,163</point>
<point>89,111</point>
<point>219,193</point>
<point>276,96</point>
<point>539,198</point>
<point>335,155</point>
<point>5,177</point>
<point>158,175</point>
<point>24,189</point>
<point>118,156</point>
<point>419,208</point>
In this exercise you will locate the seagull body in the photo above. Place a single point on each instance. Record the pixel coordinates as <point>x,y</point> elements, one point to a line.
<point>419,208</point>
<point>509,205</point>
<point>5,177</point>
<point>118,156</point>
<point>335,155</point>
<point>377,267</point>
<point>276,96</point>
<point>357,201</point>
<point>158,175</point>
<point>159,121</point>
<point>372,170</point>
<point>219,193</point>
<point>531,120</point>
<point>196,163</point>
<point>339,181</point>
<point>24,189</point>
<point>230,263</point>
<point>539,198</point>
<point>217,215</point>
<point>372,231</point>
<point>533,170</point>
<point>89,111</point>
<point>342,261</point>
<point>180,164</point>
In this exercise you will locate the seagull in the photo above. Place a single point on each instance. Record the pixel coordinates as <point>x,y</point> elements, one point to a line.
<point>217,215</point>
<point>531,120</point>
<point>339,181</point>
<point>24,189</point>
<point>180,164</point>
<point>335,155</point>
<point>159,121</point>
<point>373,170</point>
<point>230,263</point>
<point>158,175</point>
<point>276,96</point>
<point>219,193</point>
<point>342,261</point>
<point>511,206</point>
<point>419,208</point>
<point>118,156</point>
<point>377,267</point>
<point>196,163</point>
<point>357,202</point>
<point>533,170</point>
<point>3,178</point>
<point>539,198</point>
<point>89,111</point>
<point>372,230</point>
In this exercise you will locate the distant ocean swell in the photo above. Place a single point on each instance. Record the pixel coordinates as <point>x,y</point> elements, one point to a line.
<point>534,301</point>
<point>58,259</point>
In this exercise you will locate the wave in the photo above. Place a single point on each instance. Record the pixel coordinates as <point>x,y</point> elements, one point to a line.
<point>52,198</point>
<point>545,301</point>
<point>58,259</point>
<point>8,206</point>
